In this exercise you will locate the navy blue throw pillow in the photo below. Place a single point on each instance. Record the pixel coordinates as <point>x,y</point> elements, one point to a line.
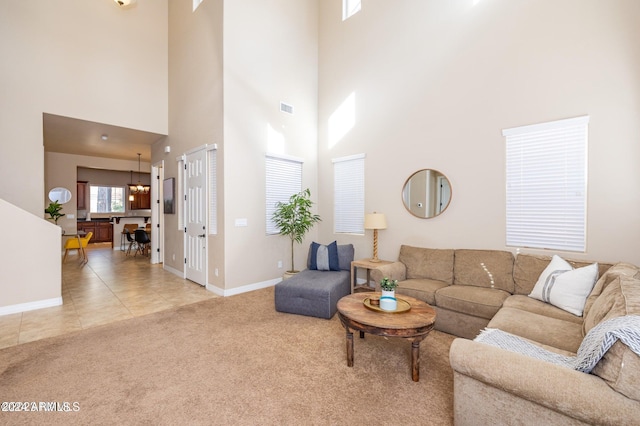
<point>324,258</point>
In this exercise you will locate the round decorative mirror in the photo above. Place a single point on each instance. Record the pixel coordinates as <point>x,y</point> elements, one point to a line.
<point>61,195</point>
<point>426,193</point>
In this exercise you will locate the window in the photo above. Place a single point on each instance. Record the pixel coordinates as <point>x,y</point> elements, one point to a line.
<point>348,189</point>
<point>350,8</point>
<point>283,179</point>
<point>546,176</point>
<point>106,199</point>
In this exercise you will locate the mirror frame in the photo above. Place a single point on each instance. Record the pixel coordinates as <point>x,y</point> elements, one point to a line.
<point>59,189</point>
<point>427,215</point>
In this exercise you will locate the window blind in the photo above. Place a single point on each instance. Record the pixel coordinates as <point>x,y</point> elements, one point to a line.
<point>348,189</point>
<point>213,191</point>
<point>283,179</point>
<point>546,177</point>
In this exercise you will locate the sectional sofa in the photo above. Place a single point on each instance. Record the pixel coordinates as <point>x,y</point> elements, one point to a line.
<point>476,290</point>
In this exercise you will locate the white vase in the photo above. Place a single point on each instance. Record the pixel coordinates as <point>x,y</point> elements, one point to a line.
<point>388,300</point>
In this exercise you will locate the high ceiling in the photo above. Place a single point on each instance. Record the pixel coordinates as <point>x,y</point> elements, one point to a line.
<point>72,136</point>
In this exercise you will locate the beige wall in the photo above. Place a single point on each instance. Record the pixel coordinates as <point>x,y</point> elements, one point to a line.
<point>81,59</point>
<point>195,113</point>
<point>270,55</point>
<point>435,82</point>
<point>26,285</point>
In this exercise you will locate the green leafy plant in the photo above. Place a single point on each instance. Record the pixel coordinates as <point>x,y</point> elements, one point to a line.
<point>388,284</point>
<point>54,209</point>
<point>294,218</point>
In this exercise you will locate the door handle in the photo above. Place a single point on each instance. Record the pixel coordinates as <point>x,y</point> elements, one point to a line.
<point>202,236</point>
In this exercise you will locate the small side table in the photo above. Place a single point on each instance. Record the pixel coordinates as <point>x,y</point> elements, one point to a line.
<point>368,265</point>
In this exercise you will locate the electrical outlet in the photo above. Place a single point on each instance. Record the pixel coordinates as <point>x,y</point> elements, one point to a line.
<point>216,272</point>
<point>279,264</point>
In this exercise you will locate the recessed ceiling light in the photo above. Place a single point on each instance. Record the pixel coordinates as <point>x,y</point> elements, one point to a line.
<point>104,137</point>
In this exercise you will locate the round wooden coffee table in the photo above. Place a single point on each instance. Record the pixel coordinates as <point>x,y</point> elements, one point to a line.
<point>413,325</point>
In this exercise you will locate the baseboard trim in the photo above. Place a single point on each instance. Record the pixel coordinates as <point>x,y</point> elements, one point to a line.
<point>30,306</point>
<point>243,289</point>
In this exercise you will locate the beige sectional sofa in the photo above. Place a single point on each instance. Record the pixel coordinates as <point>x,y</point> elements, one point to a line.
<point>476,289</point>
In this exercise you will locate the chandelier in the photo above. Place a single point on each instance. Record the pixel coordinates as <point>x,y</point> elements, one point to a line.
<point>139,188</point>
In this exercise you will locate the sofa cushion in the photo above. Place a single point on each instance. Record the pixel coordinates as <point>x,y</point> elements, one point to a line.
<point>526,303</point>
<point>554,332</point>
<point>324,257</point>
<point>484,268</point>
<point>434,264</point>
<point>477,301</point>
<point>565,287</point>
<point>421,288</point>
<point>619,269</point>
<point>620,366</point>
<point>528,267</point>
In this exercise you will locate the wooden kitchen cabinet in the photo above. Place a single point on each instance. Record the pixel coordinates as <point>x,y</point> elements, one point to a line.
<point>141,201</point>
<point>102,230</point>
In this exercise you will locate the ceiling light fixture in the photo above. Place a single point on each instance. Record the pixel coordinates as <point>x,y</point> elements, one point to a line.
<point>139,188</point>
<point>124,3</point>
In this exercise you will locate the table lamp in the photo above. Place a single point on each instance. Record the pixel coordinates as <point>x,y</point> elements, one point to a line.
<point>375,221</point>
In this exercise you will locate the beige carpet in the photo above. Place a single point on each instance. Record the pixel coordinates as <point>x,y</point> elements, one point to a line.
<point>227,361</point>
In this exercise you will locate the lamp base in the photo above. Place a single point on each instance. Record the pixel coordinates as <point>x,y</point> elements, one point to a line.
<point>374,260</point>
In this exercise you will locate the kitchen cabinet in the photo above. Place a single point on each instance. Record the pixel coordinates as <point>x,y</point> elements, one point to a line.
<point>102,230</point>
<point>141,201</point>
<point>81,194</point>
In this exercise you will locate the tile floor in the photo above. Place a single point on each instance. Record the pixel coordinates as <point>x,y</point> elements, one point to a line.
<point>109,287</point>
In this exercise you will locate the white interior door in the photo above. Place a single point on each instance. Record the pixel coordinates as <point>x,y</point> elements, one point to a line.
<point>195,215</point>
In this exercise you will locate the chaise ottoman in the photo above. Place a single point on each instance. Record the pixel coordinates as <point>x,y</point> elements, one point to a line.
<point>316,293</point>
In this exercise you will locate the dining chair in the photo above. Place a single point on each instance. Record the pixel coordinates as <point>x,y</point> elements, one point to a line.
<point>130,227</point>
<point>132,242</point>
<point>142,240</point>
<point>76,244</point>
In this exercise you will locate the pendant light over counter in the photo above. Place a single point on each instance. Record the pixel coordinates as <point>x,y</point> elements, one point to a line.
<point>138,188</point>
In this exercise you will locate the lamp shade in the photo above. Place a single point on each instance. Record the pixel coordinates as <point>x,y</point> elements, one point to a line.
<point>375,221</point>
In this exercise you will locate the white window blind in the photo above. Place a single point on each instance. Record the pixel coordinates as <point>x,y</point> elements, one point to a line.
<point>546,176</point>
<point>283,179</point>
<point>348,189</point>
<point>213,191</point>
<point>180,194</point>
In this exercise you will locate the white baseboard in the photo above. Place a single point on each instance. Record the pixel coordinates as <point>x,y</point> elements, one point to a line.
<point>30,306</point>
<point>243,289</point>
<point>173,270</point>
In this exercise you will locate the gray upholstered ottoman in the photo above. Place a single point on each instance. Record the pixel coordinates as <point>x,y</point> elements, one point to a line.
<point>316,293</point>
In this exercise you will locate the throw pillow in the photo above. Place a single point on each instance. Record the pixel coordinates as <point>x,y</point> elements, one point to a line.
<point>564,288</point>
<point>324,257</point>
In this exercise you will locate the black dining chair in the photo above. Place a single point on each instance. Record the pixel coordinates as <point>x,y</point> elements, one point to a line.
<point>142,240</point>
<point>131,242</point>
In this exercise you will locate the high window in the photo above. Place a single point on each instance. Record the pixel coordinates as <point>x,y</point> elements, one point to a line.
<point>348,190</point>
<point>546,176</point>
<point>283,179</point>
<point>350,8</point>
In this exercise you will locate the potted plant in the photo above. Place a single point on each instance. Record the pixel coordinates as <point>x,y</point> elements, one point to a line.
<point>294,219</point>
<point>388,300</point>
<point>54,209</point>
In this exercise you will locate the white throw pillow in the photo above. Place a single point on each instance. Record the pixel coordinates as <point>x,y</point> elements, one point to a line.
<point>567,289</point>
<point>557,266</point>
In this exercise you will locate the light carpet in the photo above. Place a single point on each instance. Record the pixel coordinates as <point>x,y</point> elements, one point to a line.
<point>227,361</point>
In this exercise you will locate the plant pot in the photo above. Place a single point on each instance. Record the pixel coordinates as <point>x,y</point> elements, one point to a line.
<point>288,275</point>
<point>388,300</point>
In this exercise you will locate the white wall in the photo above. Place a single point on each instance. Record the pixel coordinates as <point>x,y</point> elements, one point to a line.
<point>435,82</point>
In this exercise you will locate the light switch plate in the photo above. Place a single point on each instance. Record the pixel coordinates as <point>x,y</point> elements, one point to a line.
<point>241,222</point>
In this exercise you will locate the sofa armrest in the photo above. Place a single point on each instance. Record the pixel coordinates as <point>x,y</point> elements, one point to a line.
<point>394,271</point>
<point>582,396</point>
